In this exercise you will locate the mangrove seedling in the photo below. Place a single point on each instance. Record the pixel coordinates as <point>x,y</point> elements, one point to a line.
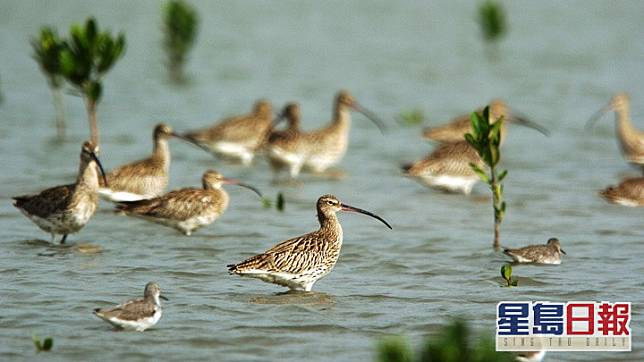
<point>395,349</point>
<point>506,274</point>
<point>45,345</point>
<point>491,19</point>
<point>411,117</point>
<point>486,140</point>
<point>180,28</point>
<point>86,57</point>
<point>267,202</point>
<point>47,49</point>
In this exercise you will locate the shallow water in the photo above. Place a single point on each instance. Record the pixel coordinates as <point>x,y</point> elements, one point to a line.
<point>560,62</point>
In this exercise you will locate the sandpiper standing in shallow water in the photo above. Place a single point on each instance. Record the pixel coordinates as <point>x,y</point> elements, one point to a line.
<point>143,179</point>
<point>630,192</point>
<point>237,138</point>
<point>136,314</point>
<point>631,140</point>
<point>455,130</point>
<point>447,167</point>
<point>325,147</point>
<point>299,262</point>
<point>187,209</point>
<point>284,151</point>
<point>66,209</point>
<point>539,254</point>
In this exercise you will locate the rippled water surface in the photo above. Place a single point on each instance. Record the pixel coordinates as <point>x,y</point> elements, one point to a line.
<point>560,62</point>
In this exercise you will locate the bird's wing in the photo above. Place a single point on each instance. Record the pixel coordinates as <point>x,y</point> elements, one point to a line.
<point>132,310</point>
<point>46,202</point>
<point>179,205</point>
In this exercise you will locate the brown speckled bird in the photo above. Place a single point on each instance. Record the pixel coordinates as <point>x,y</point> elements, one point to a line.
<point>136,314</point>
<point>66,209</point>
<point>187,209</point>
<point>299,262</point>
<point>236,138</point>
<point>630,192</point>
<point>323,148</point>
<point>539,254</point>
<point>631,140</point>
<point>447,167</point>
<point>143,179</point>
<point>455,130</point>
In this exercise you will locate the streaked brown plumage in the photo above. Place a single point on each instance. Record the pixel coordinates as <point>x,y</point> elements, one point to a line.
<point>447,167</point>
<point>631,140</point>
<point>136,314</point>
<point>66,209</point>
<point>630,192</point>
<point>455,130</point>
<point>186,209</point>
<point>550,253</point>
<point>143,179</point>
<point>320,149</point>
<point>236,138</point>
<point>299,262</point>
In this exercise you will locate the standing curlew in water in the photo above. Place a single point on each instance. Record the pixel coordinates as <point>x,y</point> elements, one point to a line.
<point>136,314</point>
<point>284,150</point>
<point>455,130</point>
<point>187,209</point>
<point>630,192</point>
<point>325,147</point>
<point>539,254</point>
<point>631,140</point>
<point>236,138</point>
<point>447,167</point>
<point>66,209</point>
<point>299,262</point>
<point>143,179</point>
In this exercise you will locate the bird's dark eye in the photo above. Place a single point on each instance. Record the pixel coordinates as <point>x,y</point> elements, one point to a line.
<point>330,202</point>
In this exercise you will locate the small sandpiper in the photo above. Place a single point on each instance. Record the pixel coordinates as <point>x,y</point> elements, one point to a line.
<point>631,139</point>
<point>143,179</point>
<point>455,130</point>
<point>538,254</point>
<point>186,209</point>
<point>136,314</point>
<point>447,168</point>
<point>299,262</point>
<point>319,150</point>
<point>630,192</point>
<point>66,209</point>
<point>237,138</point>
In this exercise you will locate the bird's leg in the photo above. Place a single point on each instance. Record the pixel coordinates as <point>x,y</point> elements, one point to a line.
<point>62,241</point>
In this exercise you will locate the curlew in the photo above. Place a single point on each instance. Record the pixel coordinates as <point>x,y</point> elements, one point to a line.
<point>539,254</point>
<point>143,179</point>
<point>629,192</point>
<point>66,209</point>
<point>299,262</point>
<point>631,140</point>
<point>136,314</point>
<point>455,130</point>
<point>447,168</point>
<point>186,209</point>
<point>318,150</point>
<point>236,138</point>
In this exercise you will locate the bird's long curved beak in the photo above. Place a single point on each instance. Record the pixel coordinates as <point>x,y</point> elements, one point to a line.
<point>597,116</point>
<point>232,181</point>
<point>523,121</point>
<point>164,298</point>
<point>560,249</point>
<point>191,141</point>
<point>100,167</point>
<point>280,117</point>
<point>372,117</point>
<point>346,207</point>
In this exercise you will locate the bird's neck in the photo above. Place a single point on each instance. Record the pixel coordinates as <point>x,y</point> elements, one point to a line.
<point>88,175</point>
<point>330,223</point>
<point>161,152</point>
<point>624,127</point>
<point>342,116</point>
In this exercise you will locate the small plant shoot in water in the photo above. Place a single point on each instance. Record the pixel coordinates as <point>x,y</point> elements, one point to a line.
<point>486,140</point>
<point>267,202</point>
<point>44,346</point>
<point>47,48</point>
<point>180,23</point>
<point>85,59</point>
<point>492,20</point>
<point>411,117</point>
<point>506,274</point>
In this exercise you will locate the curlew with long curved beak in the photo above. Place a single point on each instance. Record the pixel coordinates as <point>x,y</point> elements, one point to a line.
<point>318,150</point>
<point>299,262</point>
<point>64,210</point>
<point>631,140</point>
<point>187,209</point>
